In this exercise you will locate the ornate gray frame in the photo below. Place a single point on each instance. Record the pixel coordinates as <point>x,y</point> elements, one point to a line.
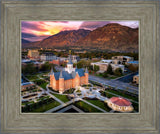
<point>146,11</point>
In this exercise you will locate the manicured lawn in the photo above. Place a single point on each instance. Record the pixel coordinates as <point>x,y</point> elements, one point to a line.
<point>86,107</point>
<point>41,106</point>
<point>108,77</point>
<point>43,85</point>
<point>31,77</point>
<point>63,98</point>
<point>46,107</point>
<point>106,94</point>
<point>100,104</point>
<point>121,93</point>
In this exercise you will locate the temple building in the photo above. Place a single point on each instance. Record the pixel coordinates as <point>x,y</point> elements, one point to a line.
<point>67,78</point>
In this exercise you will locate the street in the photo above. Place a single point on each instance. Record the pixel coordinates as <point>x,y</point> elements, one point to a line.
<point>115,83</point>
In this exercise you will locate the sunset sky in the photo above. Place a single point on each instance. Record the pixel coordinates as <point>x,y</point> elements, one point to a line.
<point>38,30</point>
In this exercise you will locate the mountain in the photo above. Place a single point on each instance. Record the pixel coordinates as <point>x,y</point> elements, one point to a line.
<point>113,37</point>
<point>25,41</point>
<point>31,45</point>
<point>64,38</point>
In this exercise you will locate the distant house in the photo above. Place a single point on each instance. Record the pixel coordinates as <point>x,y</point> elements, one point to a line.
<point>136,79</point>
<point>47,56</point>
<point>122,59</point>
<point>68,78</point>
<point>33,54</point>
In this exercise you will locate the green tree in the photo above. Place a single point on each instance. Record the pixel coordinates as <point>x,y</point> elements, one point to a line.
<point>133,68</point>
<point>96,68</point>
<point>105,74</point>
<point>45,67</point>
<point>118,72</point>
<point>109,69</point>
<point>29,69</point>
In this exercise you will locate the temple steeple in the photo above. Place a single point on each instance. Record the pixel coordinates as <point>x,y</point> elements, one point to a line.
<point>51,72</point>
<point>61,76</point>
<point>86,70</point>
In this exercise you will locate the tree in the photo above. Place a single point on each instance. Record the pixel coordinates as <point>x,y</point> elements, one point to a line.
<point>91,67</point>
<point>133,68</point>
<point>29,69</point>
<point>118,72</point>
<point>45,67</point>
<point>109,69</point>
<point>96,68</point>
<point>105,74</point>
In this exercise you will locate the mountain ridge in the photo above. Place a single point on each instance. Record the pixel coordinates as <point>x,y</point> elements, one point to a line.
<point>112,36</point>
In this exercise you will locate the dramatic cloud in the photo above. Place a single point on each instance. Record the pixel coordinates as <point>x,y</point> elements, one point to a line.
<point>28,35</point>
<point>38,30</point>
<point>91,25</point>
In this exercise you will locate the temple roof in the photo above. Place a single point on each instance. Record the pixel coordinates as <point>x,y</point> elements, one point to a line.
<point>67,76</point>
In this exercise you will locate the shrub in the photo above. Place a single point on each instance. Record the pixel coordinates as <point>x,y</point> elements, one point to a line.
<point>118,72</point>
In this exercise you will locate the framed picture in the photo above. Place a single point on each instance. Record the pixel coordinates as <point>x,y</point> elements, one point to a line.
<point>80,66</point>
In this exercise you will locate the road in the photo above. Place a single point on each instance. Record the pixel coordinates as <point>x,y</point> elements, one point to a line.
<point>115,83</point>
<point>127,78</point>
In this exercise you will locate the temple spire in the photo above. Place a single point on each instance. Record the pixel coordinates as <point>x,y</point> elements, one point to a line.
<point>86,70</point>
<point>70,59</point>
<point>52,72</point>
<point>61,76</point>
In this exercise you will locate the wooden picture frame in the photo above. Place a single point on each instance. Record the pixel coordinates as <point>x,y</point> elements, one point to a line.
<point>146,12</point>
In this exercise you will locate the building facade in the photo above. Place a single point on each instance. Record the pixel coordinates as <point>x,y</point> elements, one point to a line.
<point>122,59</point>
<point>33,54</point>
<point>47,57</point>
<point>136,79</point>
<point>57,62</point>
<point>68,78</point>
<point>120,104</point>
<point>103,65</point>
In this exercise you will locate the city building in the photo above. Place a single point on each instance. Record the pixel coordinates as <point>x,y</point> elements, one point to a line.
<point>57,62</point>
<point>26,85</point>
<point>120,104</point>
<point>136,79</point>
<point>134,63</point>
<point>122,59</point>
<point>115,66</point>
<point>68,78</point>
<point>112,61</point>
<point>103,65</point>
<point>33,54</point>
<point>47,56</point>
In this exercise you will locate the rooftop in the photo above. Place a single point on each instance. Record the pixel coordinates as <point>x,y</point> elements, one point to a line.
<point>67,75</point>
<point>133,62</point>
<point>120,101</point>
